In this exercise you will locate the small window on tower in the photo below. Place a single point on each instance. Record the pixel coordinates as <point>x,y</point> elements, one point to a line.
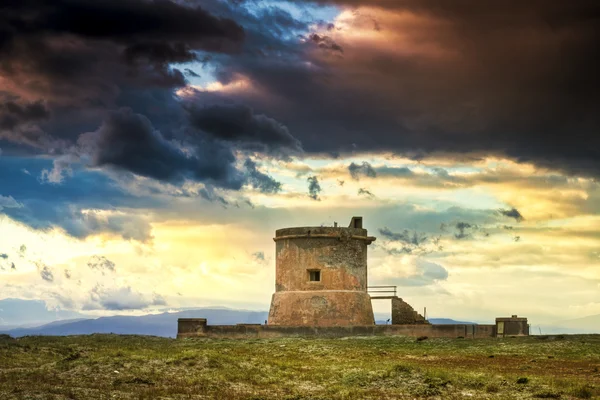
<point>314,275</point>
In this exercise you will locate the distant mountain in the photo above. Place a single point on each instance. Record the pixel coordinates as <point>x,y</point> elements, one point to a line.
<point>379,320</point>
<point>589,324</point>
<point>164,324</point>
<point>448,321</point>
<point>18,312</point>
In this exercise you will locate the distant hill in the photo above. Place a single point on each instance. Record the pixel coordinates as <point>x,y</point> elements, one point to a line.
<point>18,312</point>
<point>589,324</point>
<point>164,324</point>
<point>448,321</point>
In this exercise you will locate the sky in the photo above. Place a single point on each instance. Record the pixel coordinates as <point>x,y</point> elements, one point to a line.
<point>150,149</point>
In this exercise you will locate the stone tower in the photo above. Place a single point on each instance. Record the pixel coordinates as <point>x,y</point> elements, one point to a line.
<point>321,277</point>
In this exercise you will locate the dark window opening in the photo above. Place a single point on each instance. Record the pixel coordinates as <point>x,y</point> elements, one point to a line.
<point>314,276</point>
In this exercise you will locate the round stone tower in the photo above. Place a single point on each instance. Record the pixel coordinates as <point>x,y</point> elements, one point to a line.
<point>321,277</point>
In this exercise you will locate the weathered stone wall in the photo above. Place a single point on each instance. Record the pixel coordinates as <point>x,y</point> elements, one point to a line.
<point>191,326</point>
<point>271,331</point>
<point>403,313</point>
<point>513,326</point>
<point>341,259</point>
<point>321,308</point>
<point>483,331</point>
<point>340,296</point>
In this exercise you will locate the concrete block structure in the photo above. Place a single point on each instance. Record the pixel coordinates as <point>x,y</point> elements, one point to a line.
<point>321,277</point>
<point>513,326</point>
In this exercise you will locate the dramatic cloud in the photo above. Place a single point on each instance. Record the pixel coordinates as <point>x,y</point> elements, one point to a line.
<point>46,273</point>
<point>101,263</point>
<point>13,114</point>
<point>463,230</point>
<point>364,169</point>
<point>63,60</point>
<point>409,242</point>
<point>459,78</point>
<point>512,213</point>
<point>426,273</point>
<point>119,299</point>
<point>259,180</point>
<point>414,238</point>
<point>239,124</point>
<point>69,38</point>
<point>412,271</point>
<point>365,192</point>
<point>314,188</point>
<point>129,141</point>
<point>325,42</point>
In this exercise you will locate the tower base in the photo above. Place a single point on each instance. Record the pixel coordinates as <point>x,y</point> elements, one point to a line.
<point>321,308</point>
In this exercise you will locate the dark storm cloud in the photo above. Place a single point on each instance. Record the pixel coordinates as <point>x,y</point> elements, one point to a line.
<point>68,40</point>
<point>191,73</point>
<point>510,78</point>
<point>259,180</point>
<point>44,207</point>
<point>161,53</point>
<point>14,114</point>
<point>117,20</point>
<point>239,124</point>
<point>129,141</point>
<point>364,169</point>
<point>208,193</point>
<point>325,42</point>
<point>512,213</point>
<point>84,57</point>
<point>314,188</point>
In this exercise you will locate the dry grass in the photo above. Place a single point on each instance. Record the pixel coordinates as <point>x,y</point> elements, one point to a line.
<point>137,367</point>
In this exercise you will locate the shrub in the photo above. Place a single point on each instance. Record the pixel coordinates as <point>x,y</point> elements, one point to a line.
<point>492,388</point>
<point>547,395</point>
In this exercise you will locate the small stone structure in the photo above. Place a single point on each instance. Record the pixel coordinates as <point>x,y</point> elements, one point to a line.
<point>321,291</point>
<point>513,326</point>
<point>321,277</point>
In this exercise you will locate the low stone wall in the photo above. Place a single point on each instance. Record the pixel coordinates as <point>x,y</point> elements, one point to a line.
<point>191,327</point>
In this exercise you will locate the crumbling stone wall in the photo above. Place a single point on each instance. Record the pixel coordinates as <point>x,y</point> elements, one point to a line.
<point>403,313</point>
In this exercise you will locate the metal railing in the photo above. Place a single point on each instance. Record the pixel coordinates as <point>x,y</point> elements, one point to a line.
<point>379,290</point>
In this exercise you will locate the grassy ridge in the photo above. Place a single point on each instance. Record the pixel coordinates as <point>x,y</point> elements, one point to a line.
<point>138,367</point>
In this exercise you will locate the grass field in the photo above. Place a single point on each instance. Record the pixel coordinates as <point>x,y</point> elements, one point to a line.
<point>137,367</point>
